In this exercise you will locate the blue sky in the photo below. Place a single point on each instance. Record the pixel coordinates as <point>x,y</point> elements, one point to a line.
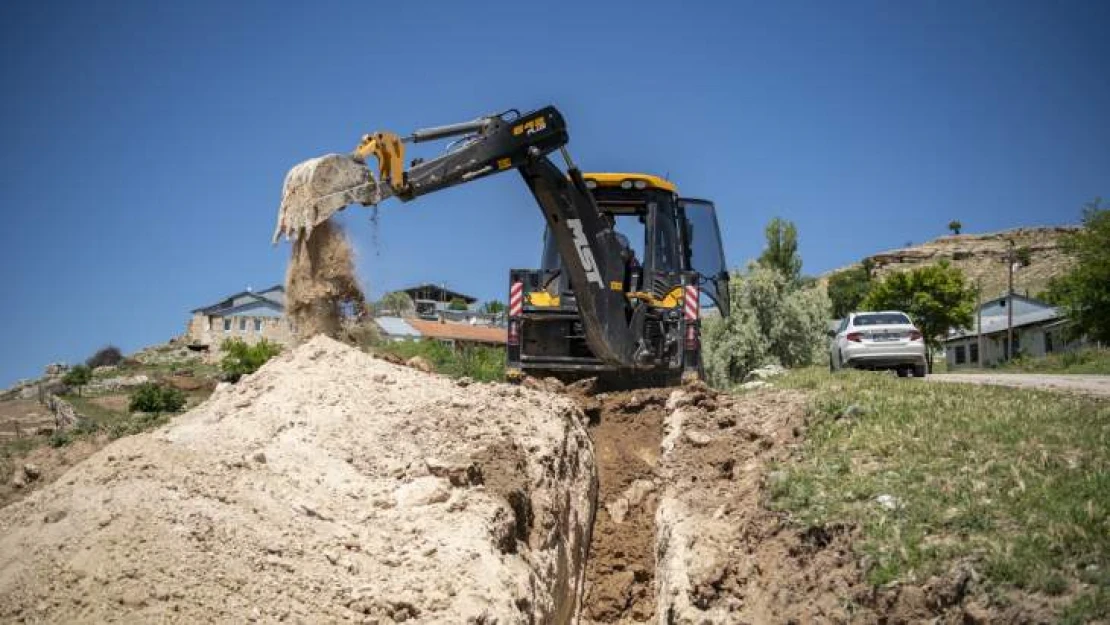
<point>145,143</point>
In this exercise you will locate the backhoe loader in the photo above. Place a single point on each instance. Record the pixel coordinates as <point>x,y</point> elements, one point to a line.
<point>599,303</point>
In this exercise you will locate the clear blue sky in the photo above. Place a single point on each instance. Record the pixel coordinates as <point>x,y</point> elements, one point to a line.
<point>144,144</point>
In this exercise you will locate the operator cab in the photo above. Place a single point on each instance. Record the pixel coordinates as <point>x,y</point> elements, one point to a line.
<point>667,235</point>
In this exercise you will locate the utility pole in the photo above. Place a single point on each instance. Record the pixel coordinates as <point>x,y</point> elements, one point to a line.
<point>979,321</point>
<point>1010,303</point>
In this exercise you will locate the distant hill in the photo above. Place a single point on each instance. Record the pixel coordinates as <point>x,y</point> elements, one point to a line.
<point>982,257</point>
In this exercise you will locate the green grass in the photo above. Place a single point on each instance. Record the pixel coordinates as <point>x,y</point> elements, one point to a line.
<point>484,364</point>
<point>1088,360</point>
<point>1016,482</point>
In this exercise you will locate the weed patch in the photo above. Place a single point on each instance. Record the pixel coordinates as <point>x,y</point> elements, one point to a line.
<point>1013,481</point>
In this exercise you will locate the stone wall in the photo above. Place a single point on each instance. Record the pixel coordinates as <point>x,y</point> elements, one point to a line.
<point>209,330</point>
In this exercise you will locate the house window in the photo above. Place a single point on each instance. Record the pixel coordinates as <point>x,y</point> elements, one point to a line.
<point>258,324</point>
<point>960,355</point>
<point>1047,342</point>
<point>242,324</point>
<point>973,350</point>
<point>227,325</point>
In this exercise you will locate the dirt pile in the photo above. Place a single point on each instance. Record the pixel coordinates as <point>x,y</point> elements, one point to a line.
<point>723,556</point>
<point>327,486</point>
<point>320,283</point>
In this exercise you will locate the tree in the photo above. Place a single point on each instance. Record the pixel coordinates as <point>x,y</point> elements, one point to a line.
<point>955,226</point>
<point>1024,256</point>
<point>105,357</point>
<point>1084,291</point>
<point>397,303</point>
<point>937,298</point>
<point>457,303</point>
<point>772,321</point>
<point>493,307</point>
<point>847,289</point>
<point>781,252</point>
<point>77,377</point>
<point>241,359</point>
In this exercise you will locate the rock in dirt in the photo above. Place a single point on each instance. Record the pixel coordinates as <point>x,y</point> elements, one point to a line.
<point>375,503</point>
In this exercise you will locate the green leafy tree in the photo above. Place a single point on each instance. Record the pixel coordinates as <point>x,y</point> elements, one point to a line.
<point>241,358</point>
<point>77,377</point>
<point>1024,256</point>
<point>847,289</point>
<point>955,226</point>
<point>151,397</point>
<point>772,321</point>
<point>937,297</point>
<point>1084,291</point>
<point>457,303</point>
<point>493,307</point>
<point>781,252</point>
<point>397,303</point>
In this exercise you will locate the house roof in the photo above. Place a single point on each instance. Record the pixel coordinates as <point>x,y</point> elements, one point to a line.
<point>274,296</point>
<point>998,323</point>
<point>1017,297</point>
<point>396,326</point>
<point>459,331</point>
<point>439,291</point>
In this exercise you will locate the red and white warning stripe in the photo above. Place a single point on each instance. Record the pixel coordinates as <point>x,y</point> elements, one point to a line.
<point>691,307</point>
<point>516,299</point>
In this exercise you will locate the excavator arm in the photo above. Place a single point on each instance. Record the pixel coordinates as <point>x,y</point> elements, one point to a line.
<point>590,250</point>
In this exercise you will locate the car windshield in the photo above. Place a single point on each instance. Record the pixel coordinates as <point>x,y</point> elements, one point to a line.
<point>881,319</point>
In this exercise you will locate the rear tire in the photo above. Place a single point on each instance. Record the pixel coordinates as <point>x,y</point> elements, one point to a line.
<point>903,372</point>
<point>920,371</point>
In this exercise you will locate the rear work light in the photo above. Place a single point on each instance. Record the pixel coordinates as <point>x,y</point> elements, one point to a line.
<point>855,337</point>
<point>915,335</point>
<point>514,332</point>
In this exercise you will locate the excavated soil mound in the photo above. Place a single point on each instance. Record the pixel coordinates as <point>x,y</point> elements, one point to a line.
<point>328,486</point>
<point>723,556</point>
<point>320,282</point>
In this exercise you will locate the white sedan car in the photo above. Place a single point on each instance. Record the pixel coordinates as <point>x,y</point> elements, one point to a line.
<point>878,340</point>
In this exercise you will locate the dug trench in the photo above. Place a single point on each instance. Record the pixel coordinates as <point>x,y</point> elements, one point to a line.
<point>683,532</point>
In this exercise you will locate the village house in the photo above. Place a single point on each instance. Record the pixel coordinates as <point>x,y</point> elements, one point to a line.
<point>248,315</point>
<point>1039,329</point>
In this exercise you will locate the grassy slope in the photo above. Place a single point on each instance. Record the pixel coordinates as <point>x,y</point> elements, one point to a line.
<point>1090,360</point>
<point>1014,481</point>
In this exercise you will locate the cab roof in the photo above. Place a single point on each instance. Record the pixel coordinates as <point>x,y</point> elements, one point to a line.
<point>614,179</point>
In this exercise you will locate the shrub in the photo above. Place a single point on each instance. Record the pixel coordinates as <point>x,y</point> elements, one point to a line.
<point>151,397</point>
<point>241,359</point>
<point>772,321</point>
<point>109,356</point>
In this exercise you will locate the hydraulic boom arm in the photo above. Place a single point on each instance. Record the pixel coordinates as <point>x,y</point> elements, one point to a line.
<point>590,251</point>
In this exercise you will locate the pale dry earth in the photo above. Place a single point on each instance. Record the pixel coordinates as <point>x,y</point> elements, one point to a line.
<point>328,486</point>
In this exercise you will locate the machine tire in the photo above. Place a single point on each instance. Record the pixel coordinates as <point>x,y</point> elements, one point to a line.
<point>920,371</point>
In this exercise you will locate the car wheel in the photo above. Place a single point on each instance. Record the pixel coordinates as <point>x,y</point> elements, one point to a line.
<point>920,371</point>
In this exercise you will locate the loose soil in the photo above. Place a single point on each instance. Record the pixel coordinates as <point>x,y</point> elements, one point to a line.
<point>626,429</point>
<point>328,486</point>
<point>320,283</point>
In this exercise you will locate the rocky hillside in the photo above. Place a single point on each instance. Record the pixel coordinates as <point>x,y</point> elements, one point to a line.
<point>982,258</point>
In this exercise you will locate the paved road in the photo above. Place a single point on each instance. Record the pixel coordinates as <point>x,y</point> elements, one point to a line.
<point>1089,384</point>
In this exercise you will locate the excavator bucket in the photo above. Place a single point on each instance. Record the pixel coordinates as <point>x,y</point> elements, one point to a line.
<point>317,189</point>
